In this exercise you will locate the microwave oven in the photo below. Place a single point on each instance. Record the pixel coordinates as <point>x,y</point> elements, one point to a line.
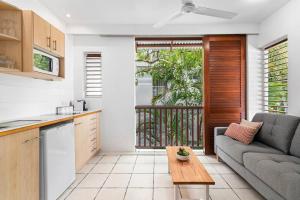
<point>45,63</point>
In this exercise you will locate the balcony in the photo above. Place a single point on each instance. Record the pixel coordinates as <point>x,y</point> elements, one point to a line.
<point>161,126</point>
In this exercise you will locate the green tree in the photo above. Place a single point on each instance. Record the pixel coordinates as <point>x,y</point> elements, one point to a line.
<point>181,71</point>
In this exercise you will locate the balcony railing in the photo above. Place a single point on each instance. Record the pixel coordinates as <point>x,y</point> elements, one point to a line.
<point>161,126</point>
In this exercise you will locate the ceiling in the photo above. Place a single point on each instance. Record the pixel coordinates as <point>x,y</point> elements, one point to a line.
<point>152,11</point>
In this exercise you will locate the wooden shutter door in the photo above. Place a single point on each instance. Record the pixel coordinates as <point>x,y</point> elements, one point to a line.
<point>224,84</point>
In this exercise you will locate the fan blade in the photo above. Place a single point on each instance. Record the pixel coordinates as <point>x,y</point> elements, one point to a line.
<point>214,12</point>
<point>166,20</point>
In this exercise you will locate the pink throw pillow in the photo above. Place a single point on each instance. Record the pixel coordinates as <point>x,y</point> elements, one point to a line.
<point>244,134</point>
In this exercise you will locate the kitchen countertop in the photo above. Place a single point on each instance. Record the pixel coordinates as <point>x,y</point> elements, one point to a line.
<point>46,120</point>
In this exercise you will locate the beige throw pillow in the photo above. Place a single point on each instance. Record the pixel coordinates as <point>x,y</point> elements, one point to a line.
<point>255,125</point>
<point>244,134</point>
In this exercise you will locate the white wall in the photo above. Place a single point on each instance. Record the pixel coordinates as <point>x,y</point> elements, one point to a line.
<point>254,76</point>
<point>83,45</point>
<point>148,30</point>
<point>118,100</point>
<point>286,23</point>
<point>24,97</point>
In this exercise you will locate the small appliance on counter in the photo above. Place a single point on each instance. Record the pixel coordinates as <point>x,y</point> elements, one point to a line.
<point>80,106</point>
<point>65,110</point>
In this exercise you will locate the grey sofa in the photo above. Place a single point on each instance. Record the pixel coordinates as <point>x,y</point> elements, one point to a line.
<point>271,164</point>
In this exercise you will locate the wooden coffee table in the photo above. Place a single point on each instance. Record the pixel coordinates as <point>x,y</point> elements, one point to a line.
<point>191,172</point>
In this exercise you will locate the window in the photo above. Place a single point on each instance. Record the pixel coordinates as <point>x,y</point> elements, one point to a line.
<point>169,71</point>
<point>93,75</point>
<point>276,78</point>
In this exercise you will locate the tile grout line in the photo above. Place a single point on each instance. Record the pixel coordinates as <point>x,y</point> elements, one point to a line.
<point>85,175</point>
<point>221,175</point>
<point>119,156</point>
<point>130,177</point>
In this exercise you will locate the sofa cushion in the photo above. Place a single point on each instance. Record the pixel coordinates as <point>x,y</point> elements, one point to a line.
<point>280,172</point>
<point>295,146</point>
<point>277,130</point>
<point>236,149</point>
<point>244,134</point>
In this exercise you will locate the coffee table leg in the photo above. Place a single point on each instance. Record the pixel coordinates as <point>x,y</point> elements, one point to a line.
<point>207,192</point>
<point>176,192</point>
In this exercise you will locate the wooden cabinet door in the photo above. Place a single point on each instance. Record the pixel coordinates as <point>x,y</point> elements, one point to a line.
<point>19,166</point>
<point>224,83</point>
<point>29,165</point>
<point>57,42</point>
<point>81,143</point>
<point>41,33</point>
<point>98,133</point>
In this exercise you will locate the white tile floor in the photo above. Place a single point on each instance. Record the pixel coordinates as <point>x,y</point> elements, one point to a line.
<point>144,176</point>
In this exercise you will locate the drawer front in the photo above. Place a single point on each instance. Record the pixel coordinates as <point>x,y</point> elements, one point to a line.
<point>92,118</point>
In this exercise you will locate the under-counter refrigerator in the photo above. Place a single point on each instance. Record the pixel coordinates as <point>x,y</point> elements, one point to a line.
<point>57,160</point>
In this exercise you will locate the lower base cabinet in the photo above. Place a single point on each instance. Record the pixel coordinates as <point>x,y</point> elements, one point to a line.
<point>87,138</point>
<point>19,166</point>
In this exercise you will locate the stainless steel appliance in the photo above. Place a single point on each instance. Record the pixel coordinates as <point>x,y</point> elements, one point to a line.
<point>64,110</point>
<point>45,63</point>
<point>80,105</point>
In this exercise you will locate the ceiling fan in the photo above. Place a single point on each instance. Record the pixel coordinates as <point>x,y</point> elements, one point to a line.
<point>188,6</point>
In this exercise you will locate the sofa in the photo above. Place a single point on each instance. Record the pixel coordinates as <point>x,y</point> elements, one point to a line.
<point>271,163</point>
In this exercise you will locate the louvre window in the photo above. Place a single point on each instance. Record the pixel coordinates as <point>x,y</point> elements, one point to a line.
<point>276,78</point>
<point>93,75</point>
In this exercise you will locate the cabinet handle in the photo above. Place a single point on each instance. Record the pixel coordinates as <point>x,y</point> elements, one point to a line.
<point>48,42</point>
<point>55,46</point>
<point>30,140</point>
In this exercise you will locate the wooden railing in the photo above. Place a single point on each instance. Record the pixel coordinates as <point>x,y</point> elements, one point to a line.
<point>161,126</point>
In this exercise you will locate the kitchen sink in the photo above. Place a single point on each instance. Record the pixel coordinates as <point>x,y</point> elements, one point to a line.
<point>16,123</point>
<point>2,127</point>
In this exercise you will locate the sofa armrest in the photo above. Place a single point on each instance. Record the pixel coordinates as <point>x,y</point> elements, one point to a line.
<point>218,131</point>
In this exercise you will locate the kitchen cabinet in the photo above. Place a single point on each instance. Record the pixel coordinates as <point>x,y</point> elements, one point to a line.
<point>87,138</point>
<point>10,38</point>
<point>21,31</point>
<point>46,37</point>
<point>98,141</point>
<point>57,42</point>
<point>41,33</point>
<point>19,166</point>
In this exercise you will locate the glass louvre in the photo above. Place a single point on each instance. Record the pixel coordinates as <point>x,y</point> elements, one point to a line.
<point>93,75</point>
<point>276,78</point>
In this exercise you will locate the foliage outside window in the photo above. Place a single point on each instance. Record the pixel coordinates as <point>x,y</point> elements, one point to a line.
<point>276,78</point>
<point>175,67</point>
<point>176,73</point>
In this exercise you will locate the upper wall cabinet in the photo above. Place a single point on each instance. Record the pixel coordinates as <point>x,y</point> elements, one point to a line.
<point>57,41</point>
<point>20,33</point>
<point>10,38</point>
<point>40,34</point>
<point>45,36</point>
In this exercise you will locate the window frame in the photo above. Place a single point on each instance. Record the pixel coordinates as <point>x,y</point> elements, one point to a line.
<point>280,70</point>
<point>85,75</point>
